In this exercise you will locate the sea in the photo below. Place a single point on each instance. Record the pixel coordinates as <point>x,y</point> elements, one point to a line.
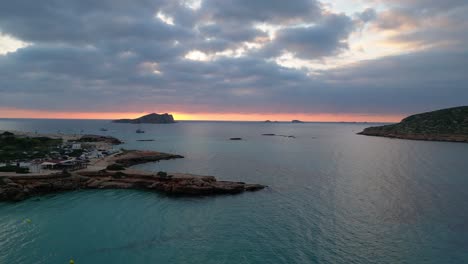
<point>333,197</point>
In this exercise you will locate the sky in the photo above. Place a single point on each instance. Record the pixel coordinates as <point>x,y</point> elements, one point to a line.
<point>345,60</point>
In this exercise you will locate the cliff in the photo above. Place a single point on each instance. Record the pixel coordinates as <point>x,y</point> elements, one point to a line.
<point>442,125</point>
<point>149,119</point>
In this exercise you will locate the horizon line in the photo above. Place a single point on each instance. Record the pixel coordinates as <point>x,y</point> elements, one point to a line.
<point>205,116</point>
<point>202,120</point>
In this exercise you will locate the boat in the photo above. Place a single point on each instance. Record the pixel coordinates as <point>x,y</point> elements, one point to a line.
<point>103,129</point>
<point>139,131</point>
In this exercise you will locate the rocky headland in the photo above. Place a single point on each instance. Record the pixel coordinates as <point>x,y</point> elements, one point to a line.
<point>149,119</point>
<point>99,138</point>
<point>442,125</point>
<point>17,188</point>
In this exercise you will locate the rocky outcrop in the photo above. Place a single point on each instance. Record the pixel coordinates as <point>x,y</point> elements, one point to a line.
<point>20,188</point>
<point>443,125</point>
<point>149,119</point>
<point>98,138</point>
<point>17,188</point>
<point>134,157</point>
<point>274,135</point>
<point>297,121</point>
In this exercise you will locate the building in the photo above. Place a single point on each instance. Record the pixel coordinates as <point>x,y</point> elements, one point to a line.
<point>76,146</point>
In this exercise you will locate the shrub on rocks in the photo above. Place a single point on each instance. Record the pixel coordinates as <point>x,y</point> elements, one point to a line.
<point>115,167</point>
<point>163,175</point>
<point>119,175</point>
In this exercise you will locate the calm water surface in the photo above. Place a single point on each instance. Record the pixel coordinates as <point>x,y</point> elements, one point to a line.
<point>334,197</point>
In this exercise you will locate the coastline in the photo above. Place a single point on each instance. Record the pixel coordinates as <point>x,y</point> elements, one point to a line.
<point>422,137</point>
<point>98,175</point>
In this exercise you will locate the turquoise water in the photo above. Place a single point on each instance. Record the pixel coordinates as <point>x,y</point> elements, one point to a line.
<point>334,197</point>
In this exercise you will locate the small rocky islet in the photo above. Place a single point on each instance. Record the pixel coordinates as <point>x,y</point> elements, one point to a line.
<point>152,118</point>
<point>117,174</point>
<point>275,135</point>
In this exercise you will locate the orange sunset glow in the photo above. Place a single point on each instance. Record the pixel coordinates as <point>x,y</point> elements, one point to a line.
<point>319,117</point>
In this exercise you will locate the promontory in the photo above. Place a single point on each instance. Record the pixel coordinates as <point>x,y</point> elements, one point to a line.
<point>149,119</point>
<point>449,124</point>
<point>32,165</point>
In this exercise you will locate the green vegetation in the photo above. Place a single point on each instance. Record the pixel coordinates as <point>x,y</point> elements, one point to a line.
<point>5,181</point>
<point>76,153</point>
<point>163,175</point>
<point>14,148</point>
<point>115,167</point>
<point>445,121</point>
<point>119,175</point>
<point>441,124</point>
<point>11,168</point>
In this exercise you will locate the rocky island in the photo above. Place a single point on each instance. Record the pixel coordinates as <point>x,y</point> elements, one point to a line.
<point>112,171</point>
<point>297,121</point>
<point>442,125</point>
<point>149,119</point>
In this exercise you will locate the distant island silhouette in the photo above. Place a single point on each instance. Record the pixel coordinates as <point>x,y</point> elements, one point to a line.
<point>149,119</point>
<point>296,121</point>
<point>449,124</point>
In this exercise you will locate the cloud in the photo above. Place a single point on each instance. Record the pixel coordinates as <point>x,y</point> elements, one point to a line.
<point>367,15</point>
<point>326,37</point>
<point>426,23</point>
<point>117,55</point>
<point>271,11</point>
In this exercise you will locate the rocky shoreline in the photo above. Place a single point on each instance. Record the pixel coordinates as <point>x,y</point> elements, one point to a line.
<point>423,137</point>
<point>17,188</point>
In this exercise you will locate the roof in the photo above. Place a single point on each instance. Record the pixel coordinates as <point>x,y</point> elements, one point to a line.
<point>48,163</point>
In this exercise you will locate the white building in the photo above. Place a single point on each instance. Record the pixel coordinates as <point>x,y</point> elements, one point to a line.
<point>76,146</point>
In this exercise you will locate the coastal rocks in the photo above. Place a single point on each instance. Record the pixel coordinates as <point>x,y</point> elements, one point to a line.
<point>425,137</point>
<point>20,188</point>
<point>98,138</point>
<point>130,158</point>
<point>149,119</point>
<point>27,186</point>
<point>272,135</point>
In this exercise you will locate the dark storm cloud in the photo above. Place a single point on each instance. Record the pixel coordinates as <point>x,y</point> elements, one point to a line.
<point>118,56</point>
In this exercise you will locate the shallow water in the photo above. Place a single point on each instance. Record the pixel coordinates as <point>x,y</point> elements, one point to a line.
<point>333,197</point>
